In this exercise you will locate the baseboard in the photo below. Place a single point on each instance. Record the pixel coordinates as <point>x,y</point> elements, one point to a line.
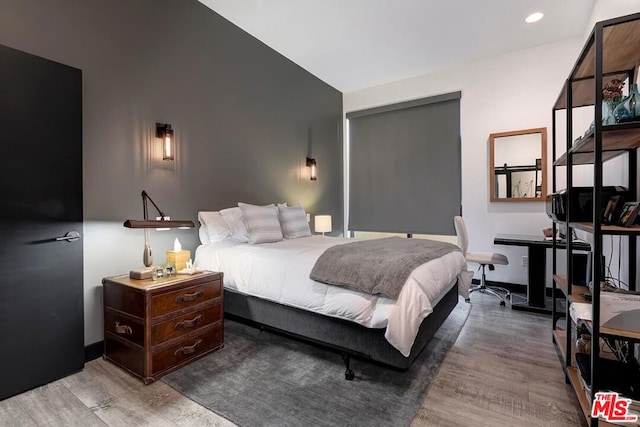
<point>93,351</point>
<point>512,287</point>
<point>515,288</point>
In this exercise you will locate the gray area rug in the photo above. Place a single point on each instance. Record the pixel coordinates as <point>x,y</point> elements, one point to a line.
<point>264,379</point>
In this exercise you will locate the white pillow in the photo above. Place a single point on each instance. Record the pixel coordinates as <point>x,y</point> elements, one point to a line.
<point>293,220</point>
<point>203,234</point>
<point>262,223</point>
<point>213,228</point>
<point>237,225</point>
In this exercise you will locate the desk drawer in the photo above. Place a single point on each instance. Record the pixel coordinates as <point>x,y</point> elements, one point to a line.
<point>184,298</point>
<point>184,324</point>
<point>188,349</point>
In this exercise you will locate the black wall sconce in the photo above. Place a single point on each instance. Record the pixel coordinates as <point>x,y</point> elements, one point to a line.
<point>311,163</point>
<point>164,132</point>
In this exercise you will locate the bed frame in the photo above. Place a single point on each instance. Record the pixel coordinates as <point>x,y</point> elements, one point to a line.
<point>348,338</point>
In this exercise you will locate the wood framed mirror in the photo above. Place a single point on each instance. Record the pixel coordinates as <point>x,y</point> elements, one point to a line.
<point>517,170</point>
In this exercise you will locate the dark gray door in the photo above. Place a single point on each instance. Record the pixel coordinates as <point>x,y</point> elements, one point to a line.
<point>41,302</point>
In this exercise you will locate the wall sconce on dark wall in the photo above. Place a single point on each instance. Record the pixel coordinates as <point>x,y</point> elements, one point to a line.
<point>164,132</point>
<point>311,163</point>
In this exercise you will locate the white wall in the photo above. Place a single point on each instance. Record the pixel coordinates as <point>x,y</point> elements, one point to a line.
<point>606,9</point>
<point>508,92</point>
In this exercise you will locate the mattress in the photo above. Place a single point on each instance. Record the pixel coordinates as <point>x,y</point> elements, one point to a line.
<point>279,272</point>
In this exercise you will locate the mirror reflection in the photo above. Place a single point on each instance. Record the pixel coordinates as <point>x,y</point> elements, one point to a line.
<point>517,169</point>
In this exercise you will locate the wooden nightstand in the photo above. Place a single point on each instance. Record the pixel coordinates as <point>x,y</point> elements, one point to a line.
<point>152,327</point>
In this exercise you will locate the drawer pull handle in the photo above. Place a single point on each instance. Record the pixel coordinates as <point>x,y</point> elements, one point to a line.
<point>184,324</point>
<point>189,297</point>
<point>123,329</point>
<point>188,349</point>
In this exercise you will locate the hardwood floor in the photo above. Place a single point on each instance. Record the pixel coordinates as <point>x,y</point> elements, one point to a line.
<point>502,371</point>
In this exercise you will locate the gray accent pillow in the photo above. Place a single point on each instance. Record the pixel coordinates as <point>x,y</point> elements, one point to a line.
<point>262,223</point>
<point>293,220</point>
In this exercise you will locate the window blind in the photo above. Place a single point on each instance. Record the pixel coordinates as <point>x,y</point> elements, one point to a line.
<point>404,166</point>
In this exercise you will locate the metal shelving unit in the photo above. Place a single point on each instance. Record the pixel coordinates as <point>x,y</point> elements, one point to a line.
<point>612,51</point>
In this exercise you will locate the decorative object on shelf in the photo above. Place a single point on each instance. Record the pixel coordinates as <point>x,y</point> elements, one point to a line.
<point>607,114</point>
<point>583,344</point>
<point>165,132</point>
<point>322,224</point>
<point>313,173</point>
<point>611,97</point>
<point>612,210</point>
<point>628,214</point>
<point>147,223</point>
<point>629,109</point>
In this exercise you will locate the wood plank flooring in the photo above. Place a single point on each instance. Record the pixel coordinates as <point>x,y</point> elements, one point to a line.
<point>502,371</point>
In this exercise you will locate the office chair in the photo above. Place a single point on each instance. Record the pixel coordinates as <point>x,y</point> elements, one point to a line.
<point>485,259</point>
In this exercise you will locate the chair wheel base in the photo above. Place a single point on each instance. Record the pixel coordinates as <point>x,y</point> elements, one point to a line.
<point>349,375</point>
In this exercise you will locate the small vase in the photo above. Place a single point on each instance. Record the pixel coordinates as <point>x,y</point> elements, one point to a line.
<point>629,109</point>
<point>607,114</point>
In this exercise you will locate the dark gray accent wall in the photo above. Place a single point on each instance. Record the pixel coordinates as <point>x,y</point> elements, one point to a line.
<point>243,117</point>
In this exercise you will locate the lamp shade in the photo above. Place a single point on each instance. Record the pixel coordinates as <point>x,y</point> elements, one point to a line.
<point>322,223</point>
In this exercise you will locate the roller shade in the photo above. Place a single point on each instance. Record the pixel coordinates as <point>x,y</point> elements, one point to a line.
<point>404,166</point>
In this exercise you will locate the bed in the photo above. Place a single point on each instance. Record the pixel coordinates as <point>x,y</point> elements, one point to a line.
<point>268,284</point>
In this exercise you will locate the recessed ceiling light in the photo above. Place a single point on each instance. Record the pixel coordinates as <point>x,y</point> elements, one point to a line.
<point>534,17</point>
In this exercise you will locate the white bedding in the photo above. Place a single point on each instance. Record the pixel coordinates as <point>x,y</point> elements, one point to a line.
<point>279,272</point>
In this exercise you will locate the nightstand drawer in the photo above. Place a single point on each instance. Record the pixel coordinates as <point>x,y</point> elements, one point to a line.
<point>184,324</point>
<point>124,299</point>
<point>124,326</point>
<point>184,298</point>
<point>188,349</point>
<point>128,356</point>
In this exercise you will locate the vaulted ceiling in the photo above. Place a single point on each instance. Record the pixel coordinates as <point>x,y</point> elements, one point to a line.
<point>352,44</point>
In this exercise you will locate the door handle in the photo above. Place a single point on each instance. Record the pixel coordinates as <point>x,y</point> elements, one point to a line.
<point>71,236</point>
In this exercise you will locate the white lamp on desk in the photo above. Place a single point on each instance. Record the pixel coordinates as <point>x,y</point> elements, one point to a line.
<point>322,224</point>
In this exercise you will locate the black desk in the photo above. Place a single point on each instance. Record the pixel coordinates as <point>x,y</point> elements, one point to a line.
<point>537,245</point>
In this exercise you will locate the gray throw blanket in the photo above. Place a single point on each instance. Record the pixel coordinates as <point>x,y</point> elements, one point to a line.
<point>377,266</point>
